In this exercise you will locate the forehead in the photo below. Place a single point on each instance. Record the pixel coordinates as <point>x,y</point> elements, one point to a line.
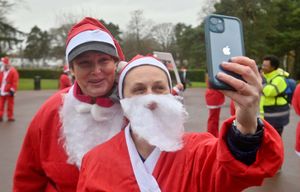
<point>266,62</point>
<point>90,54</point>
<point>146,73</point>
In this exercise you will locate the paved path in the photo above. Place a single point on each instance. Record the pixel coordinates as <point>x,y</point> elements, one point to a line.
<point>28,102</point>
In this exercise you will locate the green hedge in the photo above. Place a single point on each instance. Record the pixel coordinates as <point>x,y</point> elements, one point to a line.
<point>197,75</point>
<point>43,73</point>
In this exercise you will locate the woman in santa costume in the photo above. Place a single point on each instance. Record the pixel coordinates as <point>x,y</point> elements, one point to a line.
<point>296,105</point>
<point>154,154</point>
<point>9,80</point>
<point>74,120</point>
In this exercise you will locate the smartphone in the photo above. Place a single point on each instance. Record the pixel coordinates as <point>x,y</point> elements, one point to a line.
<point>223,40</point>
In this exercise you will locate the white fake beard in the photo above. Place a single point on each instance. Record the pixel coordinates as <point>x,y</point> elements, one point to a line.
<point>162,127</point>
<point>84,126</point>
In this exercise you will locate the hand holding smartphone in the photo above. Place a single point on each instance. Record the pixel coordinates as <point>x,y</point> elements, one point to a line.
<point>223,40</point>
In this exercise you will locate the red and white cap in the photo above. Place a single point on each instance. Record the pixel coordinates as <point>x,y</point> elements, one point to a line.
<point>91,35</point>
<point>66,68</point>
<point>137,61</point>
<point>5,60</point>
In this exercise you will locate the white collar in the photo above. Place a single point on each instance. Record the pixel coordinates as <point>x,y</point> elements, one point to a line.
<point>142,170</point>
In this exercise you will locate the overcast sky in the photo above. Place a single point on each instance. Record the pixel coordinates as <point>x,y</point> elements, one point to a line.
<point>49,13</point>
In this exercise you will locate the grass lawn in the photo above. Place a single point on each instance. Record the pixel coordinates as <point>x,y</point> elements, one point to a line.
<point>28,84</point>
<point>197,84</point>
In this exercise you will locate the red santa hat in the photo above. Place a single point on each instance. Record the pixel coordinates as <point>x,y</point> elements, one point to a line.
<point>91,35</point>
<point>66,68</point>
<point>5,60</point>
<point>137,61</point>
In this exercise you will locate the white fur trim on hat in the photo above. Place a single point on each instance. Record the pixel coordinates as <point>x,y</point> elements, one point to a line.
<point>88,36</point>
<point>138,62</point>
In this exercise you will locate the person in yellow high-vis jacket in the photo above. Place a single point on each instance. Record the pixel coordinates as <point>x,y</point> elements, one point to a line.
<point>274,105</point>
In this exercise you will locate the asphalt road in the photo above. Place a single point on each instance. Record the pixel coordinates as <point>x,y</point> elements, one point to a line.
<point>28,102</point>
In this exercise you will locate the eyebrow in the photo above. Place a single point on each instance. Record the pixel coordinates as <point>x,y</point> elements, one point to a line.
<point>155,82</point>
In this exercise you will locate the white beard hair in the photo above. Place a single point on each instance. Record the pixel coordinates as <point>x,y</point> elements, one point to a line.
<point>84,126</point>
<point>162,127</point>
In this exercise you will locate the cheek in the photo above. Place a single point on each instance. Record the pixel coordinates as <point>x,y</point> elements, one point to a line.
<point>80,77</point>
<point>110,74</point>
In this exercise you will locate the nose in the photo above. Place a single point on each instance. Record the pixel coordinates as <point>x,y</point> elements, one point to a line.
<point>97,68</point>
<point>149,91</point>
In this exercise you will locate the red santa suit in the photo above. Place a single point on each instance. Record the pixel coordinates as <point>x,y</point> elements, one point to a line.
<point>214,101</point>
<point>9,83</point>
<point>64,81</point>
<point>296,105</point>
<point>69,123</point>
<point>51,153</point>
<point>203,164</point>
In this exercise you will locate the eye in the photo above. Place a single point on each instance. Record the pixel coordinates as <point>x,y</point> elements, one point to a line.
<point>159,88</point>
<point>106,62</point>
<point>138,90</point>
<point>84,64</point>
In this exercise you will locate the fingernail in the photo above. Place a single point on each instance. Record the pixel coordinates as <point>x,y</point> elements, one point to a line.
<point>232,59</point>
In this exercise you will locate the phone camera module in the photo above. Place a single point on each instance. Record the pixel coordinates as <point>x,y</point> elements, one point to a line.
<point>216,25</point>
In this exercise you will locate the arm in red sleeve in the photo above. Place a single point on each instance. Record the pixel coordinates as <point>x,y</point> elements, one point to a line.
<point>296,100</point>
<point>29,175</point>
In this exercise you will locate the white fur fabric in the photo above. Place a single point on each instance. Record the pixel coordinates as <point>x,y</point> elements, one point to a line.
<point>84,126</point>
<point>162,126</point>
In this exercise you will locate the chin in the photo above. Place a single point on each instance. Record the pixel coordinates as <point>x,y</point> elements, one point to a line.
<point>95,93</point>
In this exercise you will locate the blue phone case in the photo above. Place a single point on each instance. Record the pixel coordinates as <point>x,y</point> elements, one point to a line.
<point>223,40</point>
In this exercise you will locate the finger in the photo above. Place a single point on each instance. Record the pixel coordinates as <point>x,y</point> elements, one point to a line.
<point>243,101</point>
<point>245,71</point>
<point>247,62</point>
<point>239,85</point>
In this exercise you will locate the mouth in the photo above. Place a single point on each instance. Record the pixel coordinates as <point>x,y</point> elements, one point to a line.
<point>96,82</point>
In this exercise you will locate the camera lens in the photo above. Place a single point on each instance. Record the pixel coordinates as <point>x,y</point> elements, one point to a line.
<point>213,28</point>
<point>214,20</point>
<point>220,27</point>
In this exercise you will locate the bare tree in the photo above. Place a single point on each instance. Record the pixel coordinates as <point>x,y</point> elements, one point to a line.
<point>164,34</point>
<point>207,8</point>
<point>138,38</point>
<point>9,35</point>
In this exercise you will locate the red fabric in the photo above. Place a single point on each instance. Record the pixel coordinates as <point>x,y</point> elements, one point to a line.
<point>64,81</point>
<point>204,164</point>
<point>101,101</point>
<point>5,60</point>
<point>232,108</point>
<point>213,121</point>
<point>41,165</point>
<point>296,105</point>
<point>296,100</point>
<point>214,97</point>
<point>10,106</point>
<point>297,145</point>
<point>214,100</point>
<point>12,79</point>
<point>89,23</point>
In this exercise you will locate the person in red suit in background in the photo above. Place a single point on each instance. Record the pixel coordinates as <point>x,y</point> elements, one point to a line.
<point>65,78</point>
<point>214,101</point>
<point>296,105</point>
<point>9,78</point>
